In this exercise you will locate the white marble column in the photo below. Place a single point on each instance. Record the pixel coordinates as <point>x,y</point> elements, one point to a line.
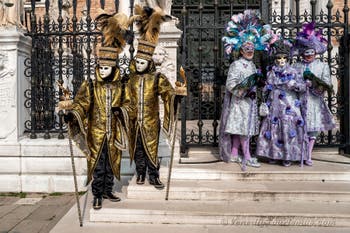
<point>28,165</point>
<point>14,49</point>
<point>124,7</point>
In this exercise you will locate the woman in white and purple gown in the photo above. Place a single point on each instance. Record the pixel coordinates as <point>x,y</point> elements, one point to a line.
<point>283,135</point>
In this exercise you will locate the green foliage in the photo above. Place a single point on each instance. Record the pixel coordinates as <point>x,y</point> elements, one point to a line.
<point>11,194</point>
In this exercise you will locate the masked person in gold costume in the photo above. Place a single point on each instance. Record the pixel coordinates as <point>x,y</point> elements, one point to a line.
<point>149,85</point>
<point>98,117</point>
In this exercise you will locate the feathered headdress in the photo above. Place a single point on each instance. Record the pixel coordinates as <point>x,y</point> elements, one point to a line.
<point>114,28</point>
<point>268,37</point>
<point>281,46</point>
<point>148,21</point>
<point>308,38</point>
<point>243,28</point>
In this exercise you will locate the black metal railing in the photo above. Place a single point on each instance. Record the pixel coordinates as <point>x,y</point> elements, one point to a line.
<point>201,54</point>
<point>63,50</point>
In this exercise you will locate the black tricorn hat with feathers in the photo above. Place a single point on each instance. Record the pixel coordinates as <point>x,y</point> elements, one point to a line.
<point>148,21</point>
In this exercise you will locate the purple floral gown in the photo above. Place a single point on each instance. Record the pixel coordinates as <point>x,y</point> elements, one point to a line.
<point>283,133</point>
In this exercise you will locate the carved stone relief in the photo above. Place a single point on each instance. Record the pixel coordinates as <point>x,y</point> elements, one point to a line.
<point>11,12</point>
<point>164,64</point>
<point>7,96</point>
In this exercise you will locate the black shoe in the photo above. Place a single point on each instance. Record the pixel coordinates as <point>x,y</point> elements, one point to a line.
<point>97,204</point>
<point>140,179</point>
<point>156,183</point>
<point>110,196</point>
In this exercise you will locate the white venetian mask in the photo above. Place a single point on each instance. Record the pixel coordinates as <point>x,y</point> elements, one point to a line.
<point>105,71</point>
<point>141,64</point>
<point>281,60</point>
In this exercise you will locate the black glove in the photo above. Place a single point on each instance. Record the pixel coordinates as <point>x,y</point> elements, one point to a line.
<point>68,117</point>
<point>251,94</point>
<point>117,111</point>
<point>177,101</point>
<point>178,98</point>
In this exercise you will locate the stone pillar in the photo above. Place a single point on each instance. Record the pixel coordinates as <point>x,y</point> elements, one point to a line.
<point>28,165</point>
<point>124,6</point>
<point>168,43</point>
<point>14,49</point>
<point>166,54</point>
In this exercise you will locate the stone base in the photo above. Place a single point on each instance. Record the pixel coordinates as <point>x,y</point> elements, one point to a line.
<point>39,165</point>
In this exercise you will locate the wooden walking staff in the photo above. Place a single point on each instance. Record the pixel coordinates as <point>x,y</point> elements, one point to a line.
<point>180,90</point>
<point>66,104</point>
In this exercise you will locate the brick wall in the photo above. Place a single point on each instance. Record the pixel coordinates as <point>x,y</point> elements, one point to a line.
<point>95,4</point>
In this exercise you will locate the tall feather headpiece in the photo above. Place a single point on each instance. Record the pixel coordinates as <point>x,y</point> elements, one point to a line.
<point>242,28</point>
<point>148,21</point>
<point>309,38</point>
<point>114,28</point>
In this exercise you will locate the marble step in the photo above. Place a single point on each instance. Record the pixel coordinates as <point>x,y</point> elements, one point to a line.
<point>209,190</point>
<point>211,154</point>
<point>93,227</point>
<point>320,171</point>
<point>224,213</point>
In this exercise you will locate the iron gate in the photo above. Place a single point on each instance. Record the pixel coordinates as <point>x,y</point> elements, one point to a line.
<point>201,54</point>
<point>62,51</point>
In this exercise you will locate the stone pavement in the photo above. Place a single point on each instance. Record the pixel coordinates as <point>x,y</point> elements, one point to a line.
<point>36,213</point>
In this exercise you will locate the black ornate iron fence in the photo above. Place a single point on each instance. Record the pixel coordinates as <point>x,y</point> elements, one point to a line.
<point>62,51</point>
<point>201,54</point>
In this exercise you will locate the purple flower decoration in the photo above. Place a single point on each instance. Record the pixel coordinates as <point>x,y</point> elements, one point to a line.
<point>283,78</point>
<point>279,143</point>
<point>267,135</point>
<point>288,110</point>
<point>300,122</point>
<point>274,120</point>
<point>292,133</point>
<point>290,76</point>
<point>268,103</point>
<point>297,103</point>
<point>282,94</point>
<point>269,87</point>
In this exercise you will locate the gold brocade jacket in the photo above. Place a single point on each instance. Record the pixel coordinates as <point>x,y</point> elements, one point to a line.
<point>94,123</point>
<point>146,89</point>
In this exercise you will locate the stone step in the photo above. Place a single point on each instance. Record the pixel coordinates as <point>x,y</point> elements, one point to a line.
<point>69,223</point>
<point>107,227</point>
<point>224,213</point>
<point>201,190</point>
<point>320,171</point>
<point>211,154</point>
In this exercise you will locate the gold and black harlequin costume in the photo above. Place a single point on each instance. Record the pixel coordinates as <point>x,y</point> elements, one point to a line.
<point>147,86</point>
<point>101,111</point>
<point>97,123</point>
